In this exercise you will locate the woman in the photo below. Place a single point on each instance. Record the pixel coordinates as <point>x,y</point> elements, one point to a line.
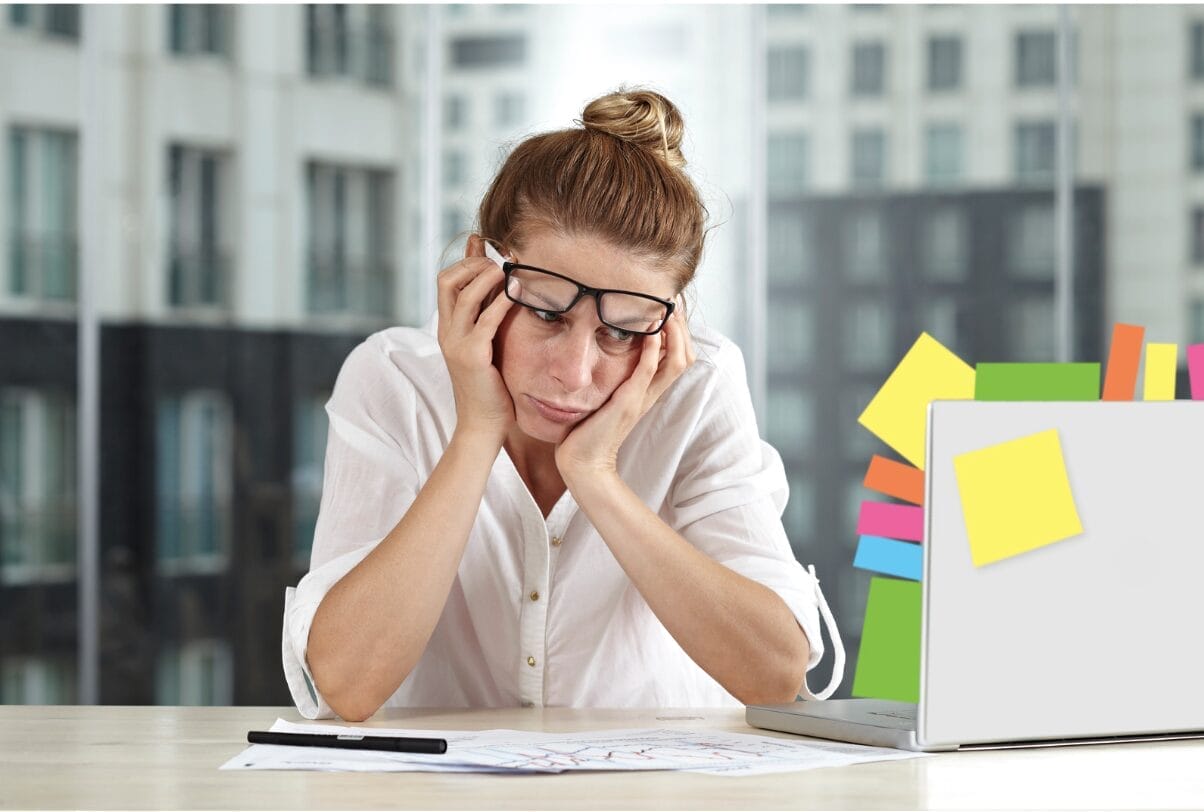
<point>557,495</point>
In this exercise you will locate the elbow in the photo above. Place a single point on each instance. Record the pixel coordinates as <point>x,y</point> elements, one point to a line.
<point>351,696</point>
<point>779,682</point>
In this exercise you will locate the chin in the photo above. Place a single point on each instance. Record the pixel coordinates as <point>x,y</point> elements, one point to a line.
<point>542,430</point>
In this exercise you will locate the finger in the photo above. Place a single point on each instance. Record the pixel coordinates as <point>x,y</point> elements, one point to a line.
<point>491,317</point>
<point>475,246</point>
<point>453,279</point>
<point>470,300</point>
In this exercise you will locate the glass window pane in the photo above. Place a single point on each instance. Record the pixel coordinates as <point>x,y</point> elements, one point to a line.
<point>787,163</point>
<point>790,417</point>
<point>869,158</point>
<point>787,73</point>
<point>869,69</point>
<point>944,63</point>
<point>943,154</point>
<point>1036,58</point>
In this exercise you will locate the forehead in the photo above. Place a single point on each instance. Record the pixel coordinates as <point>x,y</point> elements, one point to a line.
<point>595,263</point>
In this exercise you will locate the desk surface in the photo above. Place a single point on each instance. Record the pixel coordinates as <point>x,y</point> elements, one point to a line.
<point>168,758</point>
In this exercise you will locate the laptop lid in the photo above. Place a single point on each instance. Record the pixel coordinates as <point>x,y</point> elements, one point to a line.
<point>1093,636</point>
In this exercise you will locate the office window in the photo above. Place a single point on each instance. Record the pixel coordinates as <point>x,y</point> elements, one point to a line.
<point>864,244</point>
<point>1035,150</point>
<point>52,20</point>
<point>790,333</point>
<point>1197,235</point>
<point>1036,58</point>
<point>38,680</point>
<point>857,443</point>
<point>497,51</point>
<point>37,486</point>
<point>789,420</point>
<point>939,318</point>
<point>509,109</point>
<point>942,154</point>
<point>453,167</point>
<point>1031,329</point>
<point>193,471</point>
<point>868,170</point>
<point>1031,242</point>
<point>1196,323</point>
<point>351,41</point>
<point>787,72</point>
<point>199,29</point>
<point>944,63</point>
<point>786,163</point>
<point>869,69</point>
<point>868,328</point>
<point>310,426</point>
<point>350,240</point>
<point>455,112</point>
<point>1197,143</point>
<point>943,246</point>
<point>43,220</point>
<point>799,516</point>
<point>199,672</point>
<point>455,223</point>
<point>200,256</point>
<point>789,246</point>
<point>1196,49</point>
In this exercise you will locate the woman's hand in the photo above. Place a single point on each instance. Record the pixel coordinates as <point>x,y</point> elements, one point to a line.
<point>466,332</point>
<point>592,447</point>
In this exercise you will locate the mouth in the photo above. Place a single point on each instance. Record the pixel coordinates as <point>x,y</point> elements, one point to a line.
<point>556,414</point>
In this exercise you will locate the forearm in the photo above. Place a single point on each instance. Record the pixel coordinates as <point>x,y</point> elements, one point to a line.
<point>372,627</point>
<point>737,630</point>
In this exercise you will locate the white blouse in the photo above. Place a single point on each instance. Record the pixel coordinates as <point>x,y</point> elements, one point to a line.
<point>540,613</point>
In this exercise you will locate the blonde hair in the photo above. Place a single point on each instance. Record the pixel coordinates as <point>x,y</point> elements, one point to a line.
<point>619,176</point>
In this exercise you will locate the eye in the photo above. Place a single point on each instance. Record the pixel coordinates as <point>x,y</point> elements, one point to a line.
<point>546,316</point>
<point>615,334</point>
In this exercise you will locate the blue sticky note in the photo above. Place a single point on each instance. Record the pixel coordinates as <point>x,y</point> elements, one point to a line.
<point>889,557</point>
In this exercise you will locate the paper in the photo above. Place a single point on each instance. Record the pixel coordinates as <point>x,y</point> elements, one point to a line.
<point>888,662</point>
<point>895,479</point>
<point>891,521</point>
<point>1120,380</point>
<point>1037,382</point>
<point>898,413</point>
<point>1160,371</point>
<point>1016,497</point>
<point>889,557</point>
<point>1195,370</point>
<point>709,752</point>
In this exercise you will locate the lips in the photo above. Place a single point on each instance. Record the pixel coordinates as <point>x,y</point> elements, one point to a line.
<point>555,412</point>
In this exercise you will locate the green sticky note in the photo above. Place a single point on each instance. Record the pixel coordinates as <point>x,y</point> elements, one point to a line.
<point>1037,382</point>
<point>888,662</point>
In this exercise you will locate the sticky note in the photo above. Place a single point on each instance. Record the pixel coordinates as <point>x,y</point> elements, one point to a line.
<point>1195,370</point>
<point>889,557</point>
<point>1160,371</point>
<point>1016,497</point>
<point>898,413</point>
<point>888,661</point>
<point>1037,382</point>
<point>1120,378</point>
<point>891,521</point>
<point>896,479</point>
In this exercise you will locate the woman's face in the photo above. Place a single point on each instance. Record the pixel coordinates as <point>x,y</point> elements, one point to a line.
<point>560,369</point>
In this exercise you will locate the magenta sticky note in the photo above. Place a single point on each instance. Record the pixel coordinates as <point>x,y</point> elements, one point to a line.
<point>891,521</point>
<point>1195,370</point>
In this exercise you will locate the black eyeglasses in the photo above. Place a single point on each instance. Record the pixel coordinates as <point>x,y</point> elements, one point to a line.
<point>550,292</point>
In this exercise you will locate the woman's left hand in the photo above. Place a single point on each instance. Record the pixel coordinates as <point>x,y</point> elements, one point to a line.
<point>592,447</point>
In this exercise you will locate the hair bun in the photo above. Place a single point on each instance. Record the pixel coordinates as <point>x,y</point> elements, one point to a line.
<point>641,117</point>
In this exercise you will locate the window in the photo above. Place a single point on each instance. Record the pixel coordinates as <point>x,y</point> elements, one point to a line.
<point>1196,49</point>
<point>789,328</point>
<point>43,221</point>
<point>453,168</point>
<point>799,516</point>
<point>199,29</point>
<point>944,63</point>
<point>1196,336</point>
<point>509,109</point>
<point>37,486</point>
<point>454,223</point>
<point>310,425</point>
<point>939,318</point>
<point>943,154</point>
<point>1031,242</point>
<point>1036,58</point>
<point>54,20</point>
<point>868,170</point>
<point>787,163</point>
<point>789,248</point>
<point>869,69</point>
<point>865,253</point>
<point>943,246</point>
<point>199,254</point>
<point>1035,147</point>
<point>868,328</point>
<point>857,443</point>
<point>350,240</point>
<point>790,419</point>
<point>352,41</point>
<point>38,680</point>
<point>1197,143</point>
<point>489,52</point>
<point>193,472</point>
<point>787,73</point>
<point>455,112</point>
<point>1031,329</point>
<point>199,672</point>
<point>1197,235</point>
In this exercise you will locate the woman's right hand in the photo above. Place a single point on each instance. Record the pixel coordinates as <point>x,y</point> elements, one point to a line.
<point>466,333</point>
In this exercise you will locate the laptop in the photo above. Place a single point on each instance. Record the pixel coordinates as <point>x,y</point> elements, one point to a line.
<point>1094,638</point>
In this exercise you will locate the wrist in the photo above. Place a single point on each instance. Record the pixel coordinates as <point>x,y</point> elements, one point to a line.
<point>581,480</point>
<point>478,439</point>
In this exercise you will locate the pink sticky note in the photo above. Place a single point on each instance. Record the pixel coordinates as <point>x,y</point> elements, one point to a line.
<point>1195,370</point>
<point>891,521</point>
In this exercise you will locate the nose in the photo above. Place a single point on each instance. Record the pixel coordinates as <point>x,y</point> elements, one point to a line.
<point>573,359</point>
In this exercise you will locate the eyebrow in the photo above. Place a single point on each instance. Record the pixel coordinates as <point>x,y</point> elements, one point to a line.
<point>603,290</point>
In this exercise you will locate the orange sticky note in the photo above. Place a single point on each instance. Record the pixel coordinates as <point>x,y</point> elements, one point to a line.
<point>897,479</point>
<point>1120,378</point>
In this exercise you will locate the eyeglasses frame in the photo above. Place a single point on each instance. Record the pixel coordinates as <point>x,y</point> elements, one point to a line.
<point>582,291</point>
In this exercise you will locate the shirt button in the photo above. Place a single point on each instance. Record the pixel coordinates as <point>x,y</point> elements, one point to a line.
<point>555,541</point>
<point>531,661</point>
<point>534,595</point>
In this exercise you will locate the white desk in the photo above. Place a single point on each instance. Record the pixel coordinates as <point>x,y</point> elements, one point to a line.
<point>168,758</point>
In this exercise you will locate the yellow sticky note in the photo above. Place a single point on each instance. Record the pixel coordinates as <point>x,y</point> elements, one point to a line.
<point>1160,371</point>
<point>898,414</point>
<point>1016,497</point>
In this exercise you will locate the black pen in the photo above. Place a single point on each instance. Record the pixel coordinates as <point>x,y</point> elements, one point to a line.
<point>350,741</point>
